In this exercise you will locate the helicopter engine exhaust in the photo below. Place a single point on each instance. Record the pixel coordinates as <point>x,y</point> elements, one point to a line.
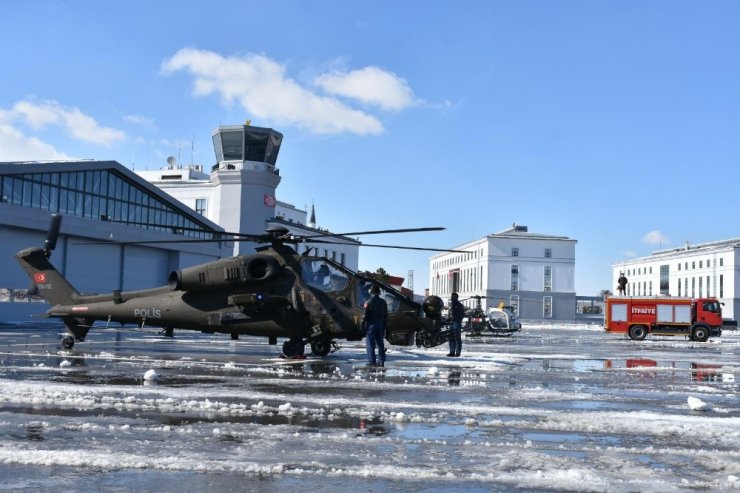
<point>225,273</point>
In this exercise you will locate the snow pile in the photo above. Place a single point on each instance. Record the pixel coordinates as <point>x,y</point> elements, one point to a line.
<point>696,404</point>
<point>65,364</point>
<point>433,371</point>
<point>284,408</point>
<point>230,365</point>
<point>150,376</point>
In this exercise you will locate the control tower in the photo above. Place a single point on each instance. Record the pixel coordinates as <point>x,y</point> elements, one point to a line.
<point>247,175</point>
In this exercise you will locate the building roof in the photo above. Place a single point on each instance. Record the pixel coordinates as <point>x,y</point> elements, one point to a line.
<point>32,167</point>
<point>687,249</point>
<point>521,231</point>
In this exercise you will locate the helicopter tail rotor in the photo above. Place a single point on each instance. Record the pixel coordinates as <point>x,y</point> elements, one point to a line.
<point>51,236</point>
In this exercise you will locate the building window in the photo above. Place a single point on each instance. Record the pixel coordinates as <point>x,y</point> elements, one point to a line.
<point>700,263</point>
<point>693,265</point>
<point>547,306</point>
<point>686,287</point>
<point>515,278</point>
<point>102,195</point>
<point>693,287</point>
<point>679,285</point>
<point>201,206</point>
<point>664,279</point>
<point>548,252</point>
<point>514,252</point>
<point>708,285</point>
<point>679,266</point>
<point>650,287</point>
<point>721,262</point>
<point>701,293</point>
<point>548,278</point>
<point>721,285</point>
<point>514,302</point>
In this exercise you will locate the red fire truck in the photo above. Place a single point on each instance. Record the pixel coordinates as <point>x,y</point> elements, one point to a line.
<point>639,316</point>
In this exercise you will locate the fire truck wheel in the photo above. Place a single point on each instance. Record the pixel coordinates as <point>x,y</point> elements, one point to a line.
<point>638,332</point>
<point>700,334</point>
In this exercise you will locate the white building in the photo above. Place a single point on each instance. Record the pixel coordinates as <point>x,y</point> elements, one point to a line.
<point>531,272</point>
<point>239,192</point>
<point>707,269</point>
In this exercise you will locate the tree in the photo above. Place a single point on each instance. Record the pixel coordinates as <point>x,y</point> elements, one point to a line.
<point>380,275</point>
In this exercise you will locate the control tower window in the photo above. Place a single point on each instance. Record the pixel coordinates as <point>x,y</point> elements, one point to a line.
<point>232,143</point>
<point>255,146</point>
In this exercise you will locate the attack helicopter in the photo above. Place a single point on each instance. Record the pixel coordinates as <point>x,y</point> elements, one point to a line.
<point>273,293</point>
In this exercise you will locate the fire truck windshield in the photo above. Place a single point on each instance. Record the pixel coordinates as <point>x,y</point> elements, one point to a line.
<point>711,306</point>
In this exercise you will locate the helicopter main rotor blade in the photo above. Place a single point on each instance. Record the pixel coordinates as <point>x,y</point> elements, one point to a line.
<point>399,247</point>
<point>256,239</point>
<point>170,227</point>
<point>375,232</point>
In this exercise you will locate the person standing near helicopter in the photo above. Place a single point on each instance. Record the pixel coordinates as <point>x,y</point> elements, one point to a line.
<point>376,313</point>
<point>457,312</point>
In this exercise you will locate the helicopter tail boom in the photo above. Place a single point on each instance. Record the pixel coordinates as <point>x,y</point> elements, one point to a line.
<point>50,283</point>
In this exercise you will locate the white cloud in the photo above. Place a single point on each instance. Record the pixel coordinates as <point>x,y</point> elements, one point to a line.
<point>655,237</point>
<point>141,121</point>
<point>77,124</point>
<point>370,85</point>
<point>14,146</point>
<point>260,85</point>
<point>629,254</point>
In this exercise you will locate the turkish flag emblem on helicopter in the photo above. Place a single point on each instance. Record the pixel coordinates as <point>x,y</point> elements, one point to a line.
<point>39,278</point>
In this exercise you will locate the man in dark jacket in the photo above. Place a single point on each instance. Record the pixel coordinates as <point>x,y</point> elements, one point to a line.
<point>376,312</point>
<point>622,284</point>
<point>457,312</point>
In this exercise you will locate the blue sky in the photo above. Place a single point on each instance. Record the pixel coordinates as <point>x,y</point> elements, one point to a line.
<point>613,123</point>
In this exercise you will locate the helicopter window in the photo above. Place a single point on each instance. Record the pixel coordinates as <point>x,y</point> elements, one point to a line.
<point>321,274</point>
<point>363,295</point>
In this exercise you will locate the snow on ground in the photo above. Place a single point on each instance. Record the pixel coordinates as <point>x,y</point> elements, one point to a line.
<point>549,409</point>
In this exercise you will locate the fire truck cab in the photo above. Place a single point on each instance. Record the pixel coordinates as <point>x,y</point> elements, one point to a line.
<point>639,316</point>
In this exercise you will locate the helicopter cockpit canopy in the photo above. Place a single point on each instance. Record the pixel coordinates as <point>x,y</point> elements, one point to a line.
<point>362,291</point>
<point>323,275</point>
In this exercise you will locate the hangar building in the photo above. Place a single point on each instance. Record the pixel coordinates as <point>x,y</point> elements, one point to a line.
<point>100,201</point>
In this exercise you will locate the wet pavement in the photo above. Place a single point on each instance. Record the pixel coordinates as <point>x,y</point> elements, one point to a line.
<point>553,408</point>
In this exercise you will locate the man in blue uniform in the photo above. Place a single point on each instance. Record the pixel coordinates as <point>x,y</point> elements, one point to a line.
<point>376,312</point>
<point>457,312</point>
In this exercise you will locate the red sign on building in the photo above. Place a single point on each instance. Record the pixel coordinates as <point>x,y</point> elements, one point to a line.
<point>269,200</point>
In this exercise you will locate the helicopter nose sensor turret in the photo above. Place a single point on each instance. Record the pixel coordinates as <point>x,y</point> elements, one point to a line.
<point>432,307</point>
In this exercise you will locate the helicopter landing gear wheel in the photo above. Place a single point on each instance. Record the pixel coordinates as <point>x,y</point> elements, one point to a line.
<point>68,342</point>
<point>424,339</point>
<point>321,347</point>
<point>293,348</point>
